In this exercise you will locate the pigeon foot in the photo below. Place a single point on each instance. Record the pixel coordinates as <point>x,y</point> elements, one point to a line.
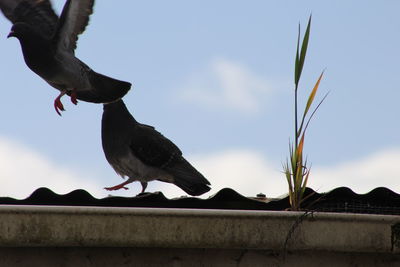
<point>144,185</point>
<point>117,187</point>
<point>58,106</point>
<point>74,99</point>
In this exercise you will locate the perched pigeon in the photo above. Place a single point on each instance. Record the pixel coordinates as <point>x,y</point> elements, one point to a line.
<point>48,45</point>
<point>143,154</point>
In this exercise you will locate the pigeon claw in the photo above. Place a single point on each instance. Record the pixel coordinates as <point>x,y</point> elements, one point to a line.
<point>58,106</point>
<point>120,186</point>
<point>117,187</point>
<point>74,97</point>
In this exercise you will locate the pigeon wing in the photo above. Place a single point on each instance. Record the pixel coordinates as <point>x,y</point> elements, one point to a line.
<point>37,13</point>
<point>8,7</point>
<point>73,21</point>
<point>152,148</point>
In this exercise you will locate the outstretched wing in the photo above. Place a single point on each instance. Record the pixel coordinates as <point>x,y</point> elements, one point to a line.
<point>8,7</point>
<point>37,13</point>
<point>73,21</point>
<point>152,148</point>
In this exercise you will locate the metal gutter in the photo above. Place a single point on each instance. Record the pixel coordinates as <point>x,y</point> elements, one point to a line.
<point>56,226</point>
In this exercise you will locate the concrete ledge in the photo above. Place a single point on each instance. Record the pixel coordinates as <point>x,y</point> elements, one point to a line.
<point>143,257</point>
<point>41,226</point>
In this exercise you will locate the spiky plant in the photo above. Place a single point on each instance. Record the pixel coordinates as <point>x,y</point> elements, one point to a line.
<point>296,169</point>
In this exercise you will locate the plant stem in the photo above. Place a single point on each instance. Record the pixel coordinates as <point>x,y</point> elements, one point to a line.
<point>296,136</point>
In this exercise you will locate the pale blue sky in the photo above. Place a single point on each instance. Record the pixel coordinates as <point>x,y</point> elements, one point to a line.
<point>216,77</point>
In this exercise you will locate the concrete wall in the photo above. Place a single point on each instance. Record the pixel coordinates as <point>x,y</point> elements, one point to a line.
<point>88,236</point>
<point>99,257</point>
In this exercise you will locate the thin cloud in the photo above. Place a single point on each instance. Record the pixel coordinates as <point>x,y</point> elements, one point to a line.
<point>228,85</point>
<point>23,170</point>
<point>249,172</point>
<point>379,169</point>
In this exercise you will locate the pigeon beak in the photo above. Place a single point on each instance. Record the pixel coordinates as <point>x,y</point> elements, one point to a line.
<point>11,34</point>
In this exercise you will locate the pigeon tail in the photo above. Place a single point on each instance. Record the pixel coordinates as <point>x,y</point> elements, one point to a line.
<point>188,178</point>
<point>104,89</point>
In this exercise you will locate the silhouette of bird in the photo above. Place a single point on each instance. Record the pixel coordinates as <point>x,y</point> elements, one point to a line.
<point>48,44</point>
<point>143,154</point>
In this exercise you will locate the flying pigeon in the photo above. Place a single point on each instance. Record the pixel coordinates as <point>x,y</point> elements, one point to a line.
<point>143,154</point>
<point>48,45</point>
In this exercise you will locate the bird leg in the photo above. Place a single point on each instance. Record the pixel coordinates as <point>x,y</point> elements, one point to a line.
<point>58,106</point>
<point>74,97</point>
<point>144,185</point>
<point>120,186</point>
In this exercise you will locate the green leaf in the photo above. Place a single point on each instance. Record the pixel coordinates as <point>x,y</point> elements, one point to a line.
<point>299,165</point>
<point>312,94</point>
<point>299,150</point>
<point>309,103</point>
<point>303,51</point>
<point>304,185</point>
<point>296,65</point>
<point>288,176</point>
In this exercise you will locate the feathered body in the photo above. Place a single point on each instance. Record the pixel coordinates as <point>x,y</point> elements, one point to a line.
<point>48,44</point>
<point>143,154</point>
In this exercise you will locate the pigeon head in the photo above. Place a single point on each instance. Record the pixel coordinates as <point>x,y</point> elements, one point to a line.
<point>18,30</point>
<point>118,105</point>
<point>116,112</point>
